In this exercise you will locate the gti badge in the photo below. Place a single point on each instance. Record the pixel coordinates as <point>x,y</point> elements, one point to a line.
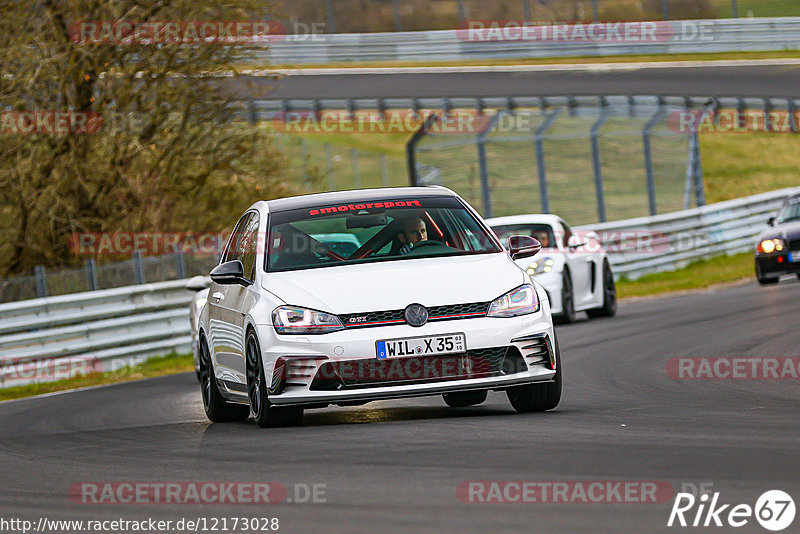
<point>416,314</point>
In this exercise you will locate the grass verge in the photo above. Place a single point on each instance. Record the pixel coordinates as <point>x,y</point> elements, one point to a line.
<point>737,165</point>
<point>700,274</point>
<point>165,365</point>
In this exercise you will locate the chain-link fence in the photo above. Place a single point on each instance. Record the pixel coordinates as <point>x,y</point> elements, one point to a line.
<point>587,163</point>
<point>323,166</point>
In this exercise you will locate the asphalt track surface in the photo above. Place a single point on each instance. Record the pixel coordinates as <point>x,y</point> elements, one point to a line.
<point>393,466</point>
<point>732,81</point>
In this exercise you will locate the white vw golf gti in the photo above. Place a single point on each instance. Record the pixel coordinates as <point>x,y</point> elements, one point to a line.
<point>349,297</point>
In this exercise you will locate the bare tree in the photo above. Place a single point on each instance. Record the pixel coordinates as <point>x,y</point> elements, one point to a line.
<point>162,146</point>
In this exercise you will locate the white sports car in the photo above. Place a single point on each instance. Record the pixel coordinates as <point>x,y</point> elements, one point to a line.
<point>573,268</point>
<point>428,303</point>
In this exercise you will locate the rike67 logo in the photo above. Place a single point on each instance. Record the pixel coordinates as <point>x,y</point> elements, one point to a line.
<point>774,510</point>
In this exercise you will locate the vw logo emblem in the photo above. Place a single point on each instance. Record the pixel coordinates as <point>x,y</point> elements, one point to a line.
<point>416,314</point>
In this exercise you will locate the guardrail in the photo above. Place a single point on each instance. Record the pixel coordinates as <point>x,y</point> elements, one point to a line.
<point>282,109</point>
<point>670,241</point>
<point>668,37</point>
<point>103,330</point>
<point>54,337</point>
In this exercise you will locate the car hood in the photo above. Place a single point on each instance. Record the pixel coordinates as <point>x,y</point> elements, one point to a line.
<point>393,285</point>
<point>788,231</point>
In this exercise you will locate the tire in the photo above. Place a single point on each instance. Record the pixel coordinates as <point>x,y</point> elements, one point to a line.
<point>462,399</point>
<point>538,397</point>
<point>264,414</point>
<point>766,281</point>
<point>217,409</point>
<point>567,314</point>
<point>609,307</point>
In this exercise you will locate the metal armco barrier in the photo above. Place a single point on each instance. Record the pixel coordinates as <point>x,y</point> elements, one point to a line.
<point>669,37</point>
<point>98,330</point>
<point>670,241</point>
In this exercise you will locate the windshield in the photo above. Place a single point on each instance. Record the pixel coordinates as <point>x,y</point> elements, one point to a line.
<point>542,232</point>
<point>791,211</point>
<point>327,236</point>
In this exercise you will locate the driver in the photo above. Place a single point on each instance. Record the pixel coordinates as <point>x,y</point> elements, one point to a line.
<point>544,238</point>
<point>413,232</point>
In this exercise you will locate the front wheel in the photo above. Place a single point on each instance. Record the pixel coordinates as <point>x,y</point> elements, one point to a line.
<point>217,409</point>
<point>538,397</point>
<point>264,413</point>
<point>609,307</point>
<point>462,399</point>
<point>567,314</point>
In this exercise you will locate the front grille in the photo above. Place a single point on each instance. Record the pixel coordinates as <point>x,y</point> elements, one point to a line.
<point>382,318</point>
<point>459,310</point>
<point>794,245</point>
<point>437,313</point>
<point>477,363</point>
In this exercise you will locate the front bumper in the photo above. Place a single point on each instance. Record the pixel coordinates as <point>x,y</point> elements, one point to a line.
<point>293,363</point>
<point>776,265</point>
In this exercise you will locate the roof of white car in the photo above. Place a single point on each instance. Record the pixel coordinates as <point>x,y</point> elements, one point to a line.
<point>359,195</point>
<point>533,218</point>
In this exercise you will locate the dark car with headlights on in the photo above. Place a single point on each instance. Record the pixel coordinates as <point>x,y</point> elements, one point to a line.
<point>778,248</point>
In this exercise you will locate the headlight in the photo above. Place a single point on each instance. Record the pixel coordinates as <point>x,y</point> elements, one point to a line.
<point>294,320</point>
<point>543,265</point>
<point>768,246</point>
<point>521,301</point>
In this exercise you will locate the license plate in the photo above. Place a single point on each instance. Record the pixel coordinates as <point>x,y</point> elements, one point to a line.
<point>422,346</point>
<point>794,256</point>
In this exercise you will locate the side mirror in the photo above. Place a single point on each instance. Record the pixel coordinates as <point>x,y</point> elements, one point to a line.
<point>523,246</point>
<point>229,273</point>
<point>771,221</point>
<point>197,283</point>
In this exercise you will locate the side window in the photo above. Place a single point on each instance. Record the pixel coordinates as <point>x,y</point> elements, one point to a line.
<point>230,248</point>
<point>247,245</point>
